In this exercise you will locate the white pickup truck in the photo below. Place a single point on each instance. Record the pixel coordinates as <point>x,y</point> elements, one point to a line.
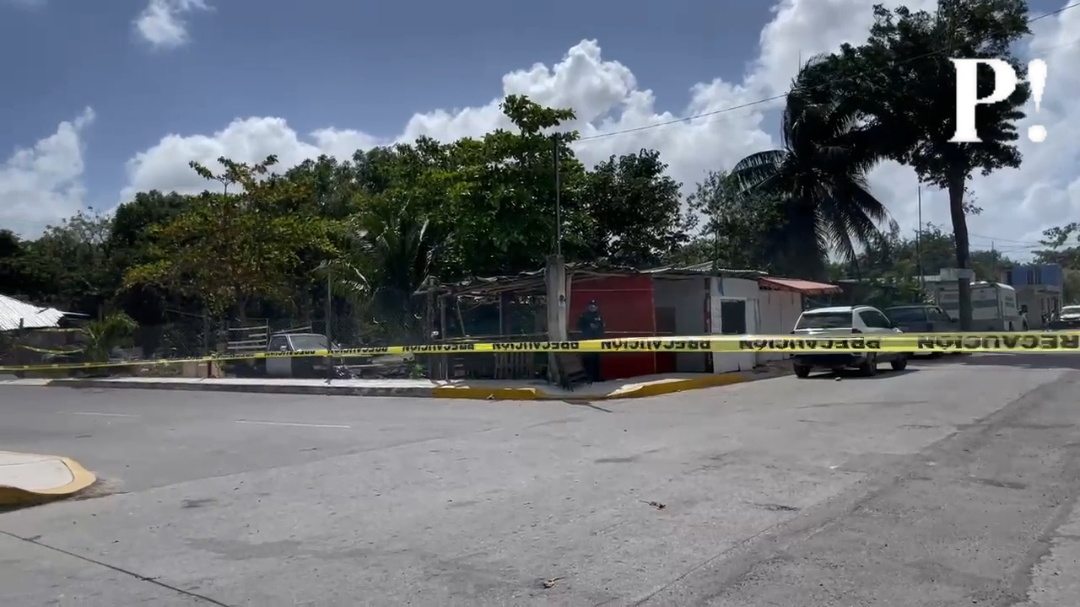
<point>297,366</point>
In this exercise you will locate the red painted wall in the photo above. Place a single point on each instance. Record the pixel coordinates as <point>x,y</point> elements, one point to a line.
<point>627,307</point>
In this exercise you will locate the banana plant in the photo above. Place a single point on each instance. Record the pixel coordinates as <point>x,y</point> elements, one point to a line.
<point>102,336</point>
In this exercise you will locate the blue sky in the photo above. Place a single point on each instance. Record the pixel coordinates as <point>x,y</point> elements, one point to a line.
<point>328,62</point>
<point>372,67</point>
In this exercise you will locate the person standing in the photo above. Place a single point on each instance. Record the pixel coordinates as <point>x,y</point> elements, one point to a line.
<point>591,326</point>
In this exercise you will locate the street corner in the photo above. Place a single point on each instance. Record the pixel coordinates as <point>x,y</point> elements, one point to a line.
<point>671,385</point>
<point>29,479</point>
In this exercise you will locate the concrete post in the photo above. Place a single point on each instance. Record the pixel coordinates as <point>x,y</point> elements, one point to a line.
<point>558,307</point>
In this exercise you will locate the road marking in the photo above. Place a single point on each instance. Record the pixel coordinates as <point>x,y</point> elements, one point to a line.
<point>294,424</point>
<point>101,414</point>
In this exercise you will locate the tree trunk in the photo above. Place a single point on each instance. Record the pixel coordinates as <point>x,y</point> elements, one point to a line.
<point>963,252</point>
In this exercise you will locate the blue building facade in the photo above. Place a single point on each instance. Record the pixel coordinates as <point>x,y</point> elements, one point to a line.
<point>1031,275</point>
<point>1039,290</point>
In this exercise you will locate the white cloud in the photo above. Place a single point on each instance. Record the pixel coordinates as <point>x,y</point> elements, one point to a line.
<point>43,184</point>
<point>1045,191</point>
<point>163,23</point>
<point>1017,204</point>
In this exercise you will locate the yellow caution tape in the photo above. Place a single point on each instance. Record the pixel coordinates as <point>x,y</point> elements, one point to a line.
<point>1031,342</point>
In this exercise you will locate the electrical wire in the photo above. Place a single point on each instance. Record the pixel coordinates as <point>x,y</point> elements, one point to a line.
<point>764,100</point>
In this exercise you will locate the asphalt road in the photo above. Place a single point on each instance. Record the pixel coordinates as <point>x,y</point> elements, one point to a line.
<point>954,483</point>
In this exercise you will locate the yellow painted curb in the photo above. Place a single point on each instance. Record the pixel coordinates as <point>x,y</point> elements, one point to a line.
<point>680,385</point>
<point>81,479</point>
<point>488,393</point>
<point>638,391</point>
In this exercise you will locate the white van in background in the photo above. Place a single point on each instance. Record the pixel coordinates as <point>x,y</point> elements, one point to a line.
<point>993,306</point>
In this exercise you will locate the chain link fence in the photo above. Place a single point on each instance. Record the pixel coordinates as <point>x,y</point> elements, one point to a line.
<point>190,336</point>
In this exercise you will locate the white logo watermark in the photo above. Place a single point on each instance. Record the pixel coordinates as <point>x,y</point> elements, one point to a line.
<point>1005,81</point>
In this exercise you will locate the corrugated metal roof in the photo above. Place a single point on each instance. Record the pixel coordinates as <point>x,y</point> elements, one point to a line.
<point>535,278</point>
<point>707,268</point>
<point>15,314</point>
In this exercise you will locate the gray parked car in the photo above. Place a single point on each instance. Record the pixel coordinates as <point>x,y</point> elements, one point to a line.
<point>922,318</point>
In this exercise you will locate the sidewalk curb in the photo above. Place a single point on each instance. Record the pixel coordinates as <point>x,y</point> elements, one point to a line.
<point>445,392</point>
<point>13,497</point>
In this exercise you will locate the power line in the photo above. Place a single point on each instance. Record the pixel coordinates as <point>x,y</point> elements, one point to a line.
<point>784,95</point>
<point>1033,243</point>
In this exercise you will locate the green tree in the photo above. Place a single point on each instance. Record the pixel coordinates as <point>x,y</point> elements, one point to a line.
<point>68,266</point>
<point>131,225</point>
<point>228,249</point>
<point>902,79</point>
<point>129,244</point>
<point>633,210</point>
<point>17,276</point>
<point>1061,246</point>
<point>501,196</point>
<point>748,230</point>
<point>820,173</point>
<point>894,256</point>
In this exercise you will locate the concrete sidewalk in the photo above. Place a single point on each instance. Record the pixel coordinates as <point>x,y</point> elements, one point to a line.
<point>653,385</point>
<point>28,478</point>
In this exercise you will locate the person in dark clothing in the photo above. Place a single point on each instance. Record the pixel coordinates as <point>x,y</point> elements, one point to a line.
<point>591,326</point>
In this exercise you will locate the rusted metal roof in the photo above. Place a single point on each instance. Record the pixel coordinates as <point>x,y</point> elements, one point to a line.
<point>534,280</point>
<point>808,287</point>
<point>15,314</point>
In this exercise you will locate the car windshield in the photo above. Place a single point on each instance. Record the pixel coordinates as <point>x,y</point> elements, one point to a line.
<point>899,315</point>
<point>309,342</point>
<point>1071,310</point>
<point>824,320</point>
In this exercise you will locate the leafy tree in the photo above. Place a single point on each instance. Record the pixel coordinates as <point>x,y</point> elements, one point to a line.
<point>226,249</point>
<point>129,244</point>
<point>633,210</point>
<point>16,278</point>
<point>1061,246</point>
<point>333,185</point>
<point>501,195</point>
<point>820,172</point>
<point>903,81</point>
<point>68,266</point>
<point>748,230</point>
<point>130,228</point>
<point>893,256</point>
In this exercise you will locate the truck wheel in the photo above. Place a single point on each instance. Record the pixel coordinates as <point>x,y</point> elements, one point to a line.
<point>802,371</point>
<point>899,364</point>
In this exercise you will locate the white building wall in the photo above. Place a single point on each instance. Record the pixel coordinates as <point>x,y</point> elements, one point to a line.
<point>779,312</point>
<point>734,288</point>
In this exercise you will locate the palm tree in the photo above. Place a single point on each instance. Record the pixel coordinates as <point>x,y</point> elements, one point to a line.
<point>391,252</point>
<point>820,172</point>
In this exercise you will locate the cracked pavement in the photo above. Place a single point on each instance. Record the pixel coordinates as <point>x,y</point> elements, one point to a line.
<point>954,483</point>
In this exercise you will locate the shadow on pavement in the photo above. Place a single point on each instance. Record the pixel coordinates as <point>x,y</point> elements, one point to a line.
<point>883,372</point>
<point>1024,361</point>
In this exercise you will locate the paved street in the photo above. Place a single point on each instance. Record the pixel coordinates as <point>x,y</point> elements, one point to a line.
<point>954,483</point>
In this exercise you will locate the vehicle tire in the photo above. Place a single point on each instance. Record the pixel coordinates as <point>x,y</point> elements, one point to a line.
<point>869,368</point>
<point>802,371</point>
<point>899,364</point>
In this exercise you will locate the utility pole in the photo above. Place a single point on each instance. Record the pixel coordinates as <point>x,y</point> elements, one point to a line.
<point>918,244</point>
<point>329,338</point>
<point>558,194</point>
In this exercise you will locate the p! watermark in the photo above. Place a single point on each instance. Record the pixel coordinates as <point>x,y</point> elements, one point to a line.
<point>1005,81</point>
